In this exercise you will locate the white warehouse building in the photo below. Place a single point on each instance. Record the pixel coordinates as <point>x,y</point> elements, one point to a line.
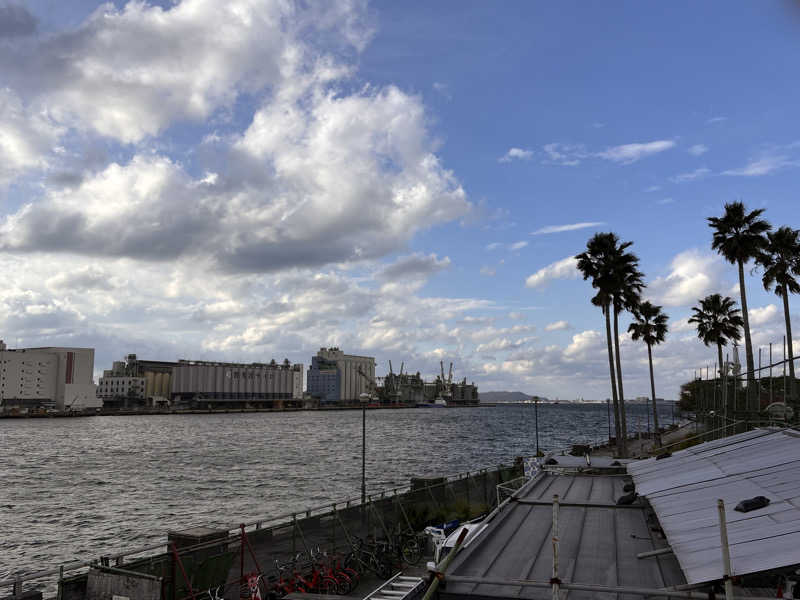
<point>49,377</point>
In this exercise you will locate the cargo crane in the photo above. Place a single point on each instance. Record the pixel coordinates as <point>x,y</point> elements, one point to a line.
<point>446,393</point>
<point>392,385</point>
<point>372,386</point>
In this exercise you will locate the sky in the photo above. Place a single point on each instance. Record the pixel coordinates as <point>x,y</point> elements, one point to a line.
<point>257,179</point>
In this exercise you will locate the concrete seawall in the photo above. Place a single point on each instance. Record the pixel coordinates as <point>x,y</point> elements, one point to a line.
<point>206,557</point>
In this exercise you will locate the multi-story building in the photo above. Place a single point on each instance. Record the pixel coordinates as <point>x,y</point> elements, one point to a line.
<point>338,377</point>
<point>205,384</point>
<point>49,377</point>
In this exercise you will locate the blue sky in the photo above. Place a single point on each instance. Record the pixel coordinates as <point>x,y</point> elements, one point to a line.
<point>405,180</point>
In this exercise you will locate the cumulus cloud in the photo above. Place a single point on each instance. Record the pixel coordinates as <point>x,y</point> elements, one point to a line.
<point>630,153</point>
<point>567,227</point>
<point>414,266</point>
<point>27,139</point>
<point>693,275</point>
<point>488,271</point>
<point>515,154</point>
<point>152,66</point>
<point>557,326</point>
<point>317,178</point>
<point>763,315</point>
<point>566,268</point>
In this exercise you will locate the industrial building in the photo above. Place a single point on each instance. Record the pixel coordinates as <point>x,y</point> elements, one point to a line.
<point>336,377</point>
<point>202,384</point>
<point>47,378</point>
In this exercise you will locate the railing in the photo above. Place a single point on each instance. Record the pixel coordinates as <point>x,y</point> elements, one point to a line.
<point>264,524</point>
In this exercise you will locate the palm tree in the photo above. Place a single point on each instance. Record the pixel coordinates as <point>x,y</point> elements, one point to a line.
<point>718,322</point>
<point>739,237</point>
<point>781,262</point>
<point>627,294</point>
<point>607,264</point>
<point>650,325</point>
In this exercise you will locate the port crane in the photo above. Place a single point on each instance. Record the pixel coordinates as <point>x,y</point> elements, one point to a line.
<point>392,384</point>
<point>447,384</point>
<point>372,386</point>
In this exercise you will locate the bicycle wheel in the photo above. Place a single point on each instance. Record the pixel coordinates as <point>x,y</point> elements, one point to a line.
<point>412,551</point>
<point>328,586</point>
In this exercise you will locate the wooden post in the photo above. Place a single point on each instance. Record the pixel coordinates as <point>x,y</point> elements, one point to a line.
<point>726,553</point>
<point>555,580</point>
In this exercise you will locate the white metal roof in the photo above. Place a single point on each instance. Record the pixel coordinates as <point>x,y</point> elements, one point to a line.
<point>683,490</point>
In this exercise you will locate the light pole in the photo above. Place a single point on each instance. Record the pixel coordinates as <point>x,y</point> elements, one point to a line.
<point>364,399</point>
<point>536,414</point>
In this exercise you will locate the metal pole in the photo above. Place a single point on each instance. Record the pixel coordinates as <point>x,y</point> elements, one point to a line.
<point>714,394</point>
<point>770,377</point>
<point>555,580</point>
<point>784,369</point>
<point>363,453</point>
<point>536,414</point>
<point>726,553</point>
<point>608,411</point>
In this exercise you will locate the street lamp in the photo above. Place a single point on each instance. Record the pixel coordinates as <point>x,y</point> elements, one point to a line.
<point>365,398</point>
<point>536,414</point>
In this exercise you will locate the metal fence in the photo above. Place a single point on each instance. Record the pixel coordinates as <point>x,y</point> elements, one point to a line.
<point>256,546</point>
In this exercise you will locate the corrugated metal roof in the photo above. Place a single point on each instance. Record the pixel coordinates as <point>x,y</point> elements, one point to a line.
<point>598,542</point>
<point>683,490</point>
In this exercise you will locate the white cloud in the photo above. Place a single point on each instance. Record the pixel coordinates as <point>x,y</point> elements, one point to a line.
<point>652,188</point>
<point>414,266</point>
<point>693,275</point>
<point>763,315</point>
<point>568,155</point>
<point>585,343</point>
<point>513,247</point>
<point>567,227</point>
<point>716,120</point>
<point>691,176</point>
<point>368,155</point>
<point>763,166</point>
<point>488,271</point>
<point>566,268</point>
<point>665,201</point>
<point>515,153</point>
<point>698,149</point>
<point>630,153</point>
<point>26,137</point>
<point>557,326</point>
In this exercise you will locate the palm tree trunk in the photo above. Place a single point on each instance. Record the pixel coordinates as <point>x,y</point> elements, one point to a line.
<point>622,418</point>
<point>620,441</point>
<point>723,378</point>
<point>653,392</point>
<point>789,352</point>
<point>753,403</point>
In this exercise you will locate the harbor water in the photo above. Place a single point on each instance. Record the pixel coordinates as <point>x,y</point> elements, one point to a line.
<point>78,488</point>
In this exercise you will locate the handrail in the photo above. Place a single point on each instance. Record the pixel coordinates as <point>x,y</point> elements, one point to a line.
<point>286,521</point>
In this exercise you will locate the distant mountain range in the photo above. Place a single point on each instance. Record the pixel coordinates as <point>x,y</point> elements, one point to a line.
<point>503,397</point>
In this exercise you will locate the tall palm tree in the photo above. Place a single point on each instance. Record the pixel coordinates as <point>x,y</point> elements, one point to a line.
<point>650,326</point>
<point>718,322</point>
<point>739,237</point>
<point>606,263</point>
<point>628,286</point>
<point>781,262</point>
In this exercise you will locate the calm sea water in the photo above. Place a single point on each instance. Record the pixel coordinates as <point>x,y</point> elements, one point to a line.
<point>77,488</point>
